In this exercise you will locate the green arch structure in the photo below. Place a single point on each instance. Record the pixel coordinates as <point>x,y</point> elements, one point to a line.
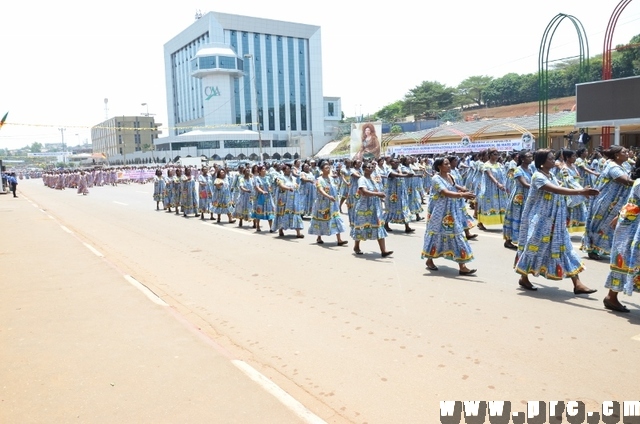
<point>543,69</point>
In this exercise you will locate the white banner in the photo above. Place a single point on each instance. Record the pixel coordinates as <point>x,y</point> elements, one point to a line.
<point>460,147</point>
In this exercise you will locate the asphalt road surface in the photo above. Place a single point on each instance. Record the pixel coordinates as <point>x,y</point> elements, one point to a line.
<point>340,338</point>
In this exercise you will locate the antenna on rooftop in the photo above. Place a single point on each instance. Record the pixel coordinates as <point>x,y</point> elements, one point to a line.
<point>106,109</point>
<point>198,14</point>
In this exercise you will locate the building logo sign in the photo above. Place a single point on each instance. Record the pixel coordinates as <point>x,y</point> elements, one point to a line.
<point>210,92</point>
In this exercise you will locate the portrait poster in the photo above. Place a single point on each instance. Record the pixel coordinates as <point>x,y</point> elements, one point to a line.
<point>366,140</point>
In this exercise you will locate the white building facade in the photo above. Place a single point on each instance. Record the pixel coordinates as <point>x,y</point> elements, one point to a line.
<point>242,87</point>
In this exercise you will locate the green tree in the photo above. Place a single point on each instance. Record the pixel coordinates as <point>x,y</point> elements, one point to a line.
<point>472,89</point>
<point>396,129</point>
<point>391,113</point>
<point>36,147</point>
<point>429,98</point>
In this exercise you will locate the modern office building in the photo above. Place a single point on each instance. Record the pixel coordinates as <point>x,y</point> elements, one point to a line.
<point>227,73</point>
<point>124,138</point>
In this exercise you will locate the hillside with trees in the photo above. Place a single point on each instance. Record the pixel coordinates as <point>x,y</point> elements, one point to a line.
<point>433,100</point>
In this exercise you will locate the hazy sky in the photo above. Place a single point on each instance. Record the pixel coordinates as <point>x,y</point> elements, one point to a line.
<point>61,59</point>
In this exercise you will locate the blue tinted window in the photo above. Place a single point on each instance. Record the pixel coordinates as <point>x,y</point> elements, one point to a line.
<point>257,55</point>
<point>247,83</point>
<point>270,94</point>
<point>281,104</point>
<point>302,63</point>
<point>292,84</point>
<point>226,62</point>
<point>208,62</point>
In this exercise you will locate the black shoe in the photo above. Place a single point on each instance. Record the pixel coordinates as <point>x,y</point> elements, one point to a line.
<point>467,272</point>
<point>527,287</point>
<point>510,245</point>
<point>612,307</point>
<point>594,256</point>
<point>387,253</point>
<point>579,291</point>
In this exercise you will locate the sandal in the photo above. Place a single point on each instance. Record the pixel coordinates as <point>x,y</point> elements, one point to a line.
<point>358,252</point>
<point>527,287</point>
<point>343,242</point>
<point>320,241</point>
<point>432,268</point>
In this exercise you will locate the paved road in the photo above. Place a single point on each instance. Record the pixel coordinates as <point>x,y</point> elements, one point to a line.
<point>351,338</point>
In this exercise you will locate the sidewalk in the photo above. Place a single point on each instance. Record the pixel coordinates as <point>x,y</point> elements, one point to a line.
<point>80,343</point>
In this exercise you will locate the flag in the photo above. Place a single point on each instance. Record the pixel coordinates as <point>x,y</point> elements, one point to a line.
<point>4,118</point>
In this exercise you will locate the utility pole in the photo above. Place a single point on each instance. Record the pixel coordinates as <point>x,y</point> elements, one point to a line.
<point>64,149</point>
<point>254,94</point>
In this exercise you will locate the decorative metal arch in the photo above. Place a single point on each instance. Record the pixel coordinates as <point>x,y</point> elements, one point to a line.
<point>484,129</point>
<point>606,60</point>
<point>433,132</point>
<point>543,68</point>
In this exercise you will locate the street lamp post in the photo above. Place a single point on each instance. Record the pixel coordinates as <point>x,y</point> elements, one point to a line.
<point>254,94</point>
<point>64,153</point>
<point>145,104</point>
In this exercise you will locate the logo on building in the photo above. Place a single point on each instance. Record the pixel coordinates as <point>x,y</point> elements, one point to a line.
<point>211,92</point>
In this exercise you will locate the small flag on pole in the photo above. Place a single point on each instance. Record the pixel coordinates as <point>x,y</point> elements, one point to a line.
<point>4,118</point>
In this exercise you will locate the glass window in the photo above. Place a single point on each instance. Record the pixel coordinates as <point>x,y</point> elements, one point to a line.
<point>330,108</point>
<point>292,85</point>
<point>270,94</point>
<point>208,62</point>
<point>225,62</point>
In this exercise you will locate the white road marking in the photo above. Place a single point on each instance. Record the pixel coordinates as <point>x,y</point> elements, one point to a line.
<point>66,229</point>
<point>144,289</point>
<point>95,252</point>
<point>120,203</point>
<point>284,397</point>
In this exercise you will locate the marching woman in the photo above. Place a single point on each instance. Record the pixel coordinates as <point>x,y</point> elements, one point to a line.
<point>222,202</point>
<point>569,177</point>
<point>205,193</point>
<point>397,203</point>
<point>624,274</point>
<point>469,222</point>
<point>544,244</point>
<point>368,222</point>
<point>244,204</point>
<point>159,188</point>
<point>307,189</point>
<point>492,199</point>
<point>344,172</point>
<point>444,235</point>
<point>82,183</point>
<point>188,194</point>
<point>263,207</point>
<point>325,217</point>
<point>168,195</point>
<point>513,216</point>
<point>177,192</point>
<point>614,185</point>
<point>355,172</point>
<point>288,204</point>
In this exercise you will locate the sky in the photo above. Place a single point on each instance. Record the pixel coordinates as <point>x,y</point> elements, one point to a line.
<point>60,60</point>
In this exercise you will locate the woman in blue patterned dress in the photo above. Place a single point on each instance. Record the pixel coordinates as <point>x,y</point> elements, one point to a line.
<point>325,217</point>
<point>414,185</point>
<point>444,235</point>
<point>355,173</point>
<point>177,192</point>
<point>544,245</point>
<point>469,222</point>
<point>397,197</point>
<point>624,274</point>
<point>513,216</point>
<point>159,188</point>
<point>221,201</point>
<point>569,177</point>
<point>188,194</point>
<point>263,207</point>
<point>587,175</point>
<point>205,193</point>
<point>368,223</point>
<point>492,199</point>
<point>244,204</point>
<point>288,206</point>
<point>614,185</point>
<point>344,182</point>
<point>307,190</point>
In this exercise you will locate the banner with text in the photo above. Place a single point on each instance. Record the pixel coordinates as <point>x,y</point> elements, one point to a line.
<point>464,146</point>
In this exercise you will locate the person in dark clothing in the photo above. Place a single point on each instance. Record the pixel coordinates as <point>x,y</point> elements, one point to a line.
<point>13,183</point>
